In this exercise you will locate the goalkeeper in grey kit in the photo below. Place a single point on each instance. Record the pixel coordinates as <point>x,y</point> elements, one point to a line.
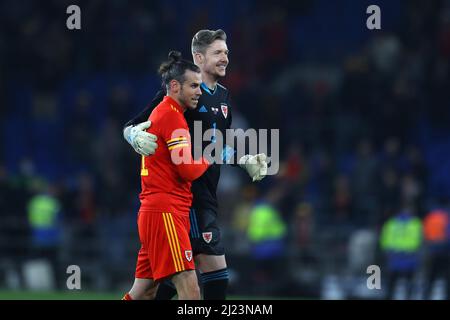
<point>210,54</point>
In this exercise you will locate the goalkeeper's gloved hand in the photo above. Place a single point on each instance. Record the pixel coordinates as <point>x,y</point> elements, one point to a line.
<point>143,142</point>
<point>256,165</point>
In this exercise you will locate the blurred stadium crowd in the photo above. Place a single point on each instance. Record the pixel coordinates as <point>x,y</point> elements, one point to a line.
<point>364,138</point>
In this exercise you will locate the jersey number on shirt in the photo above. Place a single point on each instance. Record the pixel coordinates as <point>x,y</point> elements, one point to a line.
<point>144,170</point>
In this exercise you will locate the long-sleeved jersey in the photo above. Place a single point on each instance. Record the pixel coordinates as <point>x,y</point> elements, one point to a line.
<point>167,175</point>
<point>213,110</point>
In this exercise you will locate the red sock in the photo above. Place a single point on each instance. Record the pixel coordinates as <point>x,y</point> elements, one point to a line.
<point>127,297</point>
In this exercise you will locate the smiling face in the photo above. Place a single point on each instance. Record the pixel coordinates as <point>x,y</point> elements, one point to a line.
<point>189,92</point>
<point>214,61</point>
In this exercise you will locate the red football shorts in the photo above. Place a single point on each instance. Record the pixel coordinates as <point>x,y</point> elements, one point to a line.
<point>165,245</point>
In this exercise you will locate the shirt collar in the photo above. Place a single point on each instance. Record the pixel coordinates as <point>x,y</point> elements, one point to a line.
<point>208,90</point>
<point>173,103</point>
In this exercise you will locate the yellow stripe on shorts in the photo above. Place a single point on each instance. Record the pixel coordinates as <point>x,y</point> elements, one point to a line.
<point>171,243</point>
<point>177,249</point>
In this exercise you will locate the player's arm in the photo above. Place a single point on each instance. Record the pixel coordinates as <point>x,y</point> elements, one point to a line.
<point>255,165</point>
<point>188,169</point>
<point>135,133</point>
<point>178,141</point>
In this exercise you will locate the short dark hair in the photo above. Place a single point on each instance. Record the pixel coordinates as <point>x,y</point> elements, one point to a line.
<point>204,38</point>
<point>175,67</point>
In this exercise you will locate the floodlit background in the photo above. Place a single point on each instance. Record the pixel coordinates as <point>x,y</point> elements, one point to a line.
<point>364,144</point>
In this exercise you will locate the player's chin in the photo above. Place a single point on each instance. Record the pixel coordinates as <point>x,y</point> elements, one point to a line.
<point>221,72</point>
<point>193,104</point>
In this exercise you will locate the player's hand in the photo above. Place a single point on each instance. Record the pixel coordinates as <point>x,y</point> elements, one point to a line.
<point>256,165</point>
<point>143,142</point>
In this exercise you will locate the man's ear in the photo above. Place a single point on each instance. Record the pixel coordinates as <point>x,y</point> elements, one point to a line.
<point>198,58</point>
<point>174,86</point>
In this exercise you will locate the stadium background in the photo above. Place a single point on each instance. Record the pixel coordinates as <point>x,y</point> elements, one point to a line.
<point>363,118</point>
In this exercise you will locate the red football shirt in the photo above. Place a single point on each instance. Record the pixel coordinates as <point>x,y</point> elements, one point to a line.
<point>166,183</point>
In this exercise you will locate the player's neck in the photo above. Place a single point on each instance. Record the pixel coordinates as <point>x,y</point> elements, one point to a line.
<point>209,80</point>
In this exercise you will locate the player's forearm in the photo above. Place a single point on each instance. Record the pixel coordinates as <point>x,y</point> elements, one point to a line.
<point>141,117</point>
<point>192,171</point>
<point>145,114</point>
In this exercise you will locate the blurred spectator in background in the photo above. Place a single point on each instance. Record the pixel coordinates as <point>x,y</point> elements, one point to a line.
<point>241,217</point>
<point>267,234</point>
<point>415,163</point>
<point>401,238</point>
<point>389,193</point>
<point>44,215</point>
<point>436,229</point>
<point>411,191</point>
<point>81,204</point>
<point>303,229</point>
<point>392,157</point>
<point>342,200</point>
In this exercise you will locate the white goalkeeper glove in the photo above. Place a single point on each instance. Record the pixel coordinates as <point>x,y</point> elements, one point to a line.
<point>256,165</point>
<point>142,142</point>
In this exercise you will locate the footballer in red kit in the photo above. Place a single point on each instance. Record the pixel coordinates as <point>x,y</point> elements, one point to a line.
<point>166,196</point>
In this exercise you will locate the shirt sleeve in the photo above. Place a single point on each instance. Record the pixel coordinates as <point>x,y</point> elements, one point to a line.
<point>175,133</point>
